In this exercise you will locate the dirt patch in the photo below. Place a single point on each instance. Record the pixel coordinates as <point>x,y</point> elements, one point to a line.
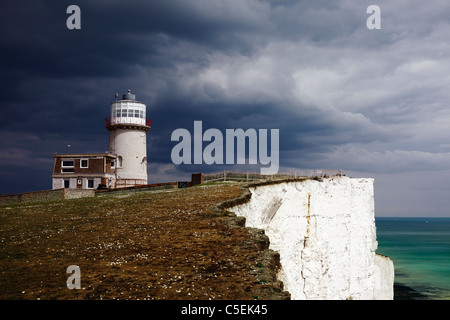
<point>177,244</point>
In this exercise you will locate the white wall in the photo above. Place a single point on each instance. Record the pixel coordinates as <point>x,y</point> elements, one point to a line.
<point>325,234</point>
<point>131,145</point>
<point>58,183</point>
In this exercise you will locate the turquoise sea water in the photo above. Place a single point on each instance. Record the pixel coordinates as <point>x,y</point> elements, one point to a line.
<point>420,249</point>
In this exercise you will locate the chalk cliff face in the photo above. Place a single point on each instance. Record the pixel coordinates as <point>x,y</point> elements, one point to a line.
<point>325,234</point>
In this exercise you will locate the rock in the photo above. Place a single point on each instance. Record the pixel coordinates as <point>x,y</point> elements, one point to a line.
<point>324,231</point>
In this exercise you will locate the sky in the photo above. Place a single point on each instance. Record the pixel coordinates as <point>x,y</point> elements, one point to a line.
<point>372,102</point>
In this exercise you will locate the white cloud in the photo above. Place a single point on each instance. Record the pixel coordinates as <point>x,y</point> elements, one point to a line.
<point>359,158</point>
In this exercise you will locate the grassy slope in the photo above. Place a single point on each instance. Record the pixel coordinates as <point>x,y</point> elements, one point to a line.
<point>148,245</point>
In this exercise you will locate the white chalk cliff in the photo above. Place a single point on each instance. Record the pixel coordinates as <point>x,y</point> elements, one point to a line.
<point>325,234</point>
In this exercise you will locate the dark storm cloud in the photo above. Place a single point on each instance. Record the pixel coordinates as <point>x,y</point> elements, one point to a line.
<point>373,102</point>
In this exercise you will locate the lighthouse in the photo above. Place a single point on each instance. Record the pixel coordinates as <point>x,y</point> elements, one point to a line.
<point>127,128</point>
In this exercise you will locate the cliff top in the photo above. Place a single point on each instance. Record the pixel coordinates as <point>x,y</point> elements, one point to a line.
<point>150,245</point>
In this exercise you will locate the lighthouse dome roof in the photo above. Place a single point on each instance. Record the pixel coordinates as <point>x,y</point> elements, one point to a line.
<point>128,96</point>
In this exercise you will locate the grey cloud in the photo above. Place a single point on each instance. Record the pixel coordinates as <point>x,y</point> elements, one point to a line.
<point>341,95</point>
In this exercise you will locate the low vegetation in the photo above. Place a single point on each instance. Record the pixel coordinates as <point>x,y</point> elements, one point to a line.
<point>149,245</point>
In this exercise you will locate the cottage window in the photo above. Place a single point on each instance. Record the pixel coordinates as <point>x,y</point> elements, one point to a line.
<point>67,163</point>
<point>90,184</point>
<point>84,163</point>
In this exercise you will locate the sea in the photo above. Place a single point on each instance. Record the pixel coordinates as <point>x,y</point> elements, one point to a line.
<point>420,250</point>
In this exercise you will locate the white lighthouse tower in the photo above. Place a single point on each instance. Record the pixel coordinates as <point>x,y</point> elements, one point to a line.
<point>127,128</point>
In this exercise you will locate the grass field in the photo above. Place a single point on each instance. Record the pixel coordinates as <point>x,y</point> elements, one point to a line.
<point>149,245</point>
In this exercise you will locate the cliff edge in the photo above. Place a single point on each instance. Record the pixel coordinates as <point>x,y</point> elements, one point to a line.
<point>324,231</point>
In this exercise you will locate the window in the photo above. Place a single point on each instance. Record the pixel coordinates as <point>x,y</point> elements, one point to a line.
<point>67,163</point>
<point>141,113</point>
<point>113,164</point>
<point>130,112</point>
<point>90,184</point>
<point>136,113</point>
<point>67,166</point>
<point>84,163</point>
<point>124,112</point>
<point>66,183</point>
